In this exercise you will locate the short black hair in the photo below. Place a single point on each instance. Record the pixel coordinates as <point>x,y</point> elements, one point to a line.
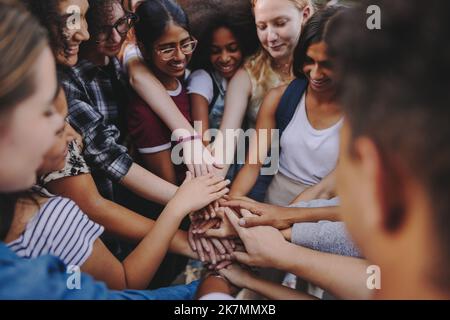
<point>394,87</point>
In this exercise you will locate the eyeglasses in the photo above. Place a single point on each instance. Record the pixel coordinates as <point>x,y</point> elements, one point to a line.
<point>169,53</point>
<point>122,26</point>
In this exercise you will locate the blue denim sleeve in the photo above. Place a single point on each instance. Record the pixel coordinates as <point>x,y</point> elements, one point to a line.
<point>47,278</point>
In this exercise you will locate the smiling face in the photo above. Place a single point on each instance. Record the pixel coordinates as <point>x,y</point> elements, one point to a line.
<point>55,158</point>
<point>174,37</point>
<point>28,131</point>
<point>279,25</point>
<point>318,69</point>
<point>226,55</point>
<point>74,33</point>
<point>110,41</point>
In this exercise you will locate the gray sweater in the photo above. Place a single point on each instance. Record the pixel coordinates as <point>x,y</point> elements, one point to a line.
<point>324,236</point>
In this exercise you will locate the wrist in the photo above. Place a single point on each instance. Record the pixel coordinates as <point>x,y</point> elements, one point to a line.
<point>176,210</point>
<point>194,137</point>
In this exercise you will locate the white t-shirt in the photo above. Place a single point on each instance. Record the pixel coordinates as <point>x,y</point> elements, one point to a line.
<point>308,155</point>
<point>201,83</point>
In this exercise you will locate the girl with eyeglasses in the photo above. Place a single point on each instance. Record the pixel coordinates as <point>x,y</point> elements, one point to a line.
<point>164,39</point>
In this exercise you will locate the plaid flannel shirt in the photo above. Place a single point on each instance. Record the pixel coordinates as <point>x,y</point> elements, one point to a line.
<point>95,111</point>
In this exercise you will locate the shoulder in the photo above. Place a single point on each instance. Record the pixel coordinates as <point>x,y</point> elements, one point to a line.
<point>272,99</point>
<point>199,77</point>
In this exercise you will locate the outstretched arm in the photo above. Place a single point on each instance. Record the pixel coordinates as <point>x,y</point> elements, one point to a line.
<point>198,160</point>
<point>236,101</point>
<point>259,144</point>
<point>343,277</point>
<point>116,219</point>
<point>137,270</point>
<point>273,291</point>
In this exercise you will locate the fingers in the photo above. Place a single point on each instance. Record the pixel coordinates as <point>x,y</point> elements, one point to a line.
<point>205,226</point>
<point>235,223</point>
<point>228,245</point>
<point>191,240</point>
<point>201,253</point>
<point>246,214</point>
<point>251,222</point>
<point>204,169</point>
<point>219,247</point>
<point>205,244</point>
<point>223,265</point>
<point>197,170</point>
<point>215,233</point>
<point>188,177</point>
<point>211,252</point>
<point>242,204</point>
<point>215,207</point>
<point>191,169</point>
<point>220,194</point>
<point>243,257</point>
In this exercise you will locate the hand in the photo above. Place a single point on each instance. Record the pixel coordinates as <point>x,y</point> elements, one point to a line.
<point>264,245</point>
<point>218,228</point>
<point>196,193</point>
<point>264,214</point>
<point>210,250</point>
<point>237,275</point>
<point>198,159</point>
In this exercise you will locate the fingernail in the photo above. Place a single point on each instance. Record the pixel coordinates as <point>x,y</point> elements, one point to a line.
<point>242,222</point>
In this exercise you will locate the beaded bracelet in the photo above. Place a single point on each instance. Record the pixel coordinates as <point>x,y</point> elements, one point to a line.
<point>190,138</point>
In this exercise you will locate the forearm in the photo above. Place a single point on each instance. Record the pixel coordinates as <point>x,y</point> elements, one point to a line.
<point>245,180</point>
<point>343,277</point>
<point>299,215</point>
<point>148,185</point>
<point>155,95</point>
<point>141,265</point>
<point>325,189</point>
<point>133,227</point>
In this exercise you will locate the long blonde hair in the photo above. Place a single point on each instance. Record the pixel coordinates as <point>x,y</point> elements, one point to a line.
<point>259,65</point>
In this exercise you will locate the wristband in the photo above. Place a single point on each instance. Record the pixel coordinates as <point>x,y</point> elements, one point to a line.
<point>190,138</point>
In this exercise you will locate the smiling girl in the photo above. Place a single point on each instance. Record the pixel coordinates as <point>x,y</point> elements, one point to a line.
<point>167,46</point>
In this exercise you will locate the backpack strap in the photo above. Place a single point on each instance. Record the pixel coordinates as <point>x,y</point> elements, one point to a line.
<point>289,102</point>
<point>217,89</point>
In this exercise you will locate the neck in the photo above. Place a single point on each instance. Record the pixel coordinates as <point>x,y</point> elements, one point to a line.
<point>325,98</point>
<point>170,83</point>
<point>283,65</point>
<point>93,56</point>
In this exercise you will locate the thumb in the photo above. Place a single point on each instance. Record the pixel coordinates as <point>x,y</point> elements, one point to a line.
<point>188,177</point>
<point>235,223</point>
<point>249,222</point>
<point>242,257</point>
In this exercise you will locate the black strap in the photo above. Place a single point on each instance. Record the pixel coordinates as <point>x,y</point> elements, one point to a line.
<point>289,102</point>
<point>216,90</point>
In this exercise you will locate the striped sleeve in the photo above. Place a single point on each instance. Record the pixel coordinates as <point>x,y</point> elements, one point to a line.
<point>59,229</point>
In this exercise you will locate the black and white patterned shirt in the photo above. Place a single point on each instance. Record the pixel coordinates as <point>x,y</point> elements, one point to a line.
<point>97,98</point>
<point>59,229</point>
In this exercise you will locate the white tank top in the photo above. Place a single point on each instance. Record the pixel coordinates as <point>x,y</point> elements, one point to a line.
<point>308,155</point>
